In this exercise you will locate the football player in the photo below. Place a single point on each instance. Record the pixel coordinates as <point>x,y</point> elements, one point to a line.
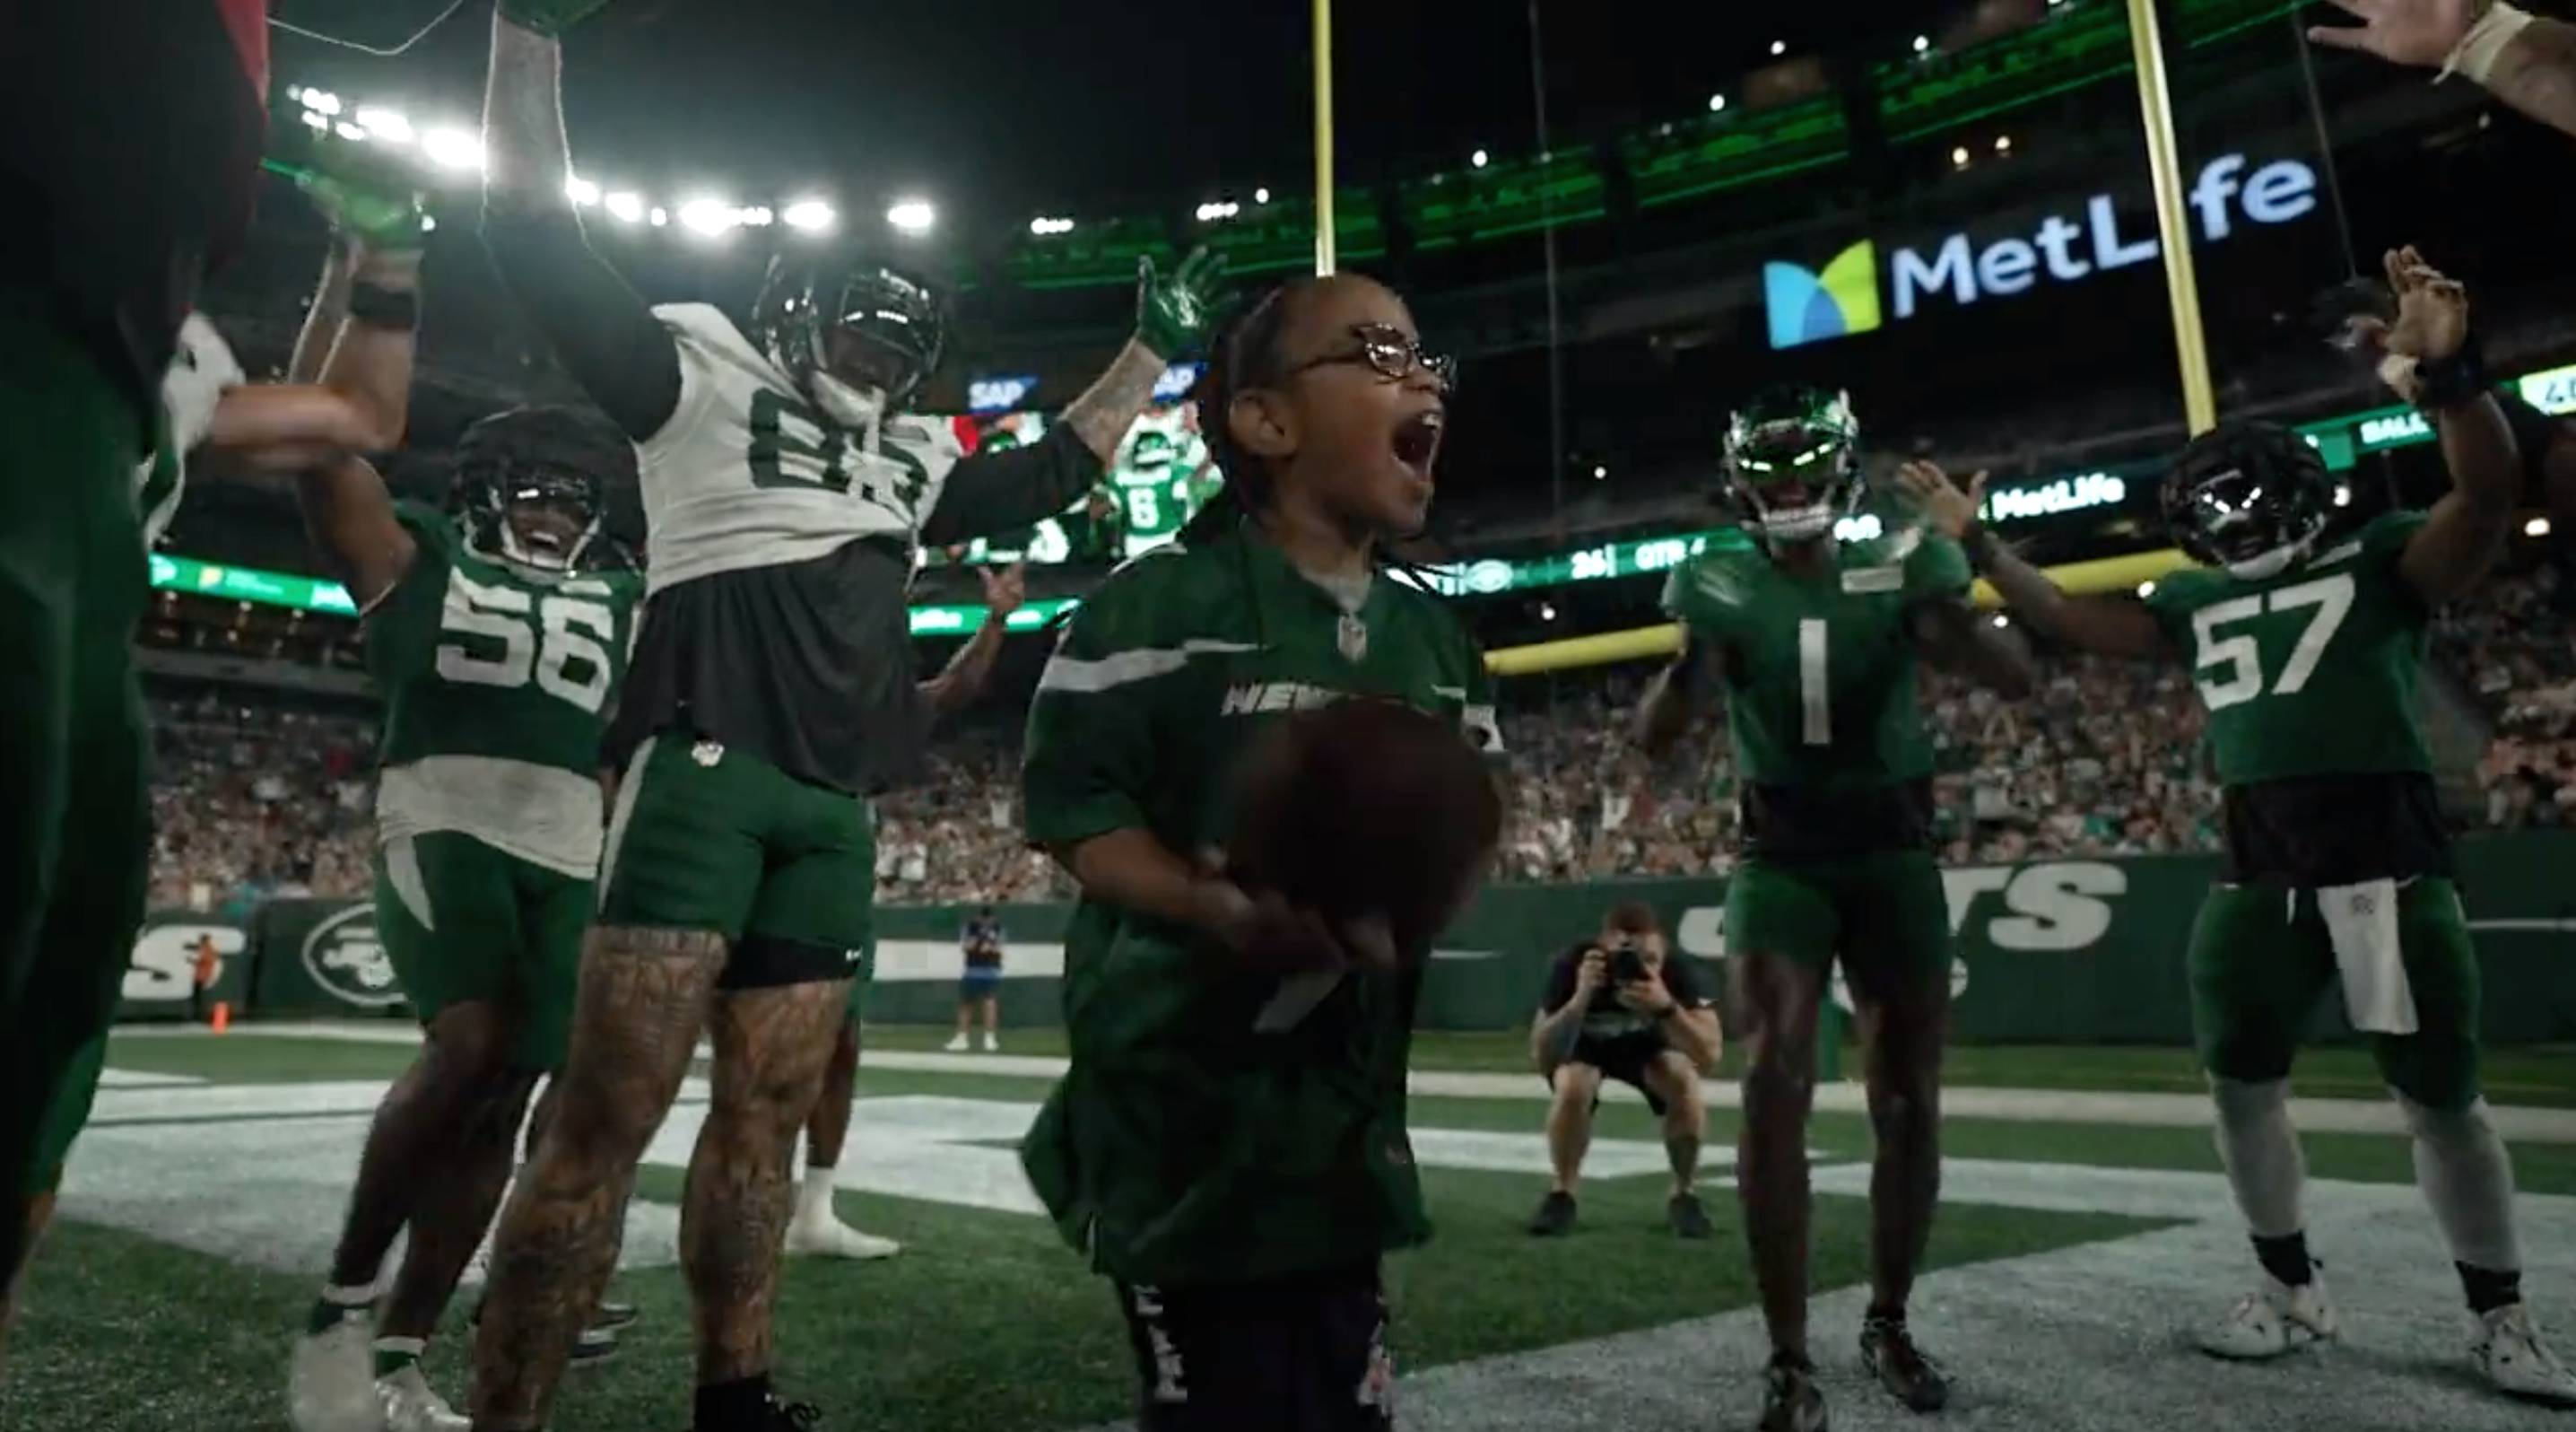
<point>2306,645</point>
<point>815,1227</point>
<point>786,494</point>
<point>1813,644</point>
<point>1229,1143</point>
<point>108,388</point>
<point>497,649</point>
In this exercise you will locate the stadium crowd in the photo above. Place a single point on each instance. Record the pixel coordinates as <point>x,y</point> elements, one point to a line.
<point>254,801</point>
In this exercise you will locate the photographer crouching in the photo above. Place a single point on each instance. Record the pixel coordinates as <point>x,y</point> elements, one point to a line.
<point>1617,1007</point>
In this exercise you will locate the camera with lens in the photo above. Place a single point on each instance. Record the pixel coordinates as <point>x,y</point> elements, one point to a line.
<point>1627,964</point>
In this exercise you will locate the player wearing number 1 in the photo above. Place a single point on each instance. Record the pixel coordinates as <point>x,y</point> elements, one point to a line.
<point>498,653</point>
<point>1815,643</point>
<point>2305,644</point>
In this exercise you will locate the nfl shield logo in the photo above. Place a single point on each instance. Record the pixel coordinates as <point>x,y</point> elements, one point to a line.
<point>1352,637</point>
<point>707,753</point>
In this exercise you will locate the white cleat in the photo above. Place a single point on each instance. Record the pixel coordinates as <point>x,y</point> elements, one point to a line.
<point>2508,1350</point>
<point>331,1377</point>
<point>411,1406</point>
<point>956,1044</point>
<point>829,1237</point>
<point>992,1044</point>
<point>2272,1320</point>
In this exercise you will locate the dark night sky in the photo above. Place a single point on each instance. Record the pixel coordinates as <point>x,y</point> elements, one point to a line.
<point>1015,107</point>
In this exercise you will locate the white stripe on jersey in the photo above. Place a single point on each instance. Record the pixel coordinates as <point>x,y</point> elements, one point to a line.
<point>1065,673</point>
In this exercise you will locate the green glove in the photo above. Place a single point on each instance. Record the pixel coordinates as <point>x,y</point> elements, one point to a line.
<point>548,17</point>
<point>387,219</point>
<point>1174,314</point>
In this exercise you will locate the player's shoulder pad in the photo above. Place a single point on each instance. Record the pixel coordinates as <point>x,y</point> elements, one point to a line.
<point>709,340</point>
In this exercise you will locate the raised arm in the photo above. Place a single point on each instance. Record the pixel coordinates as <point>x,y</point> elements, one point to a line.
<point>2526,61</point>
<point>599,327</point>
<point>1676,692</point>
<point>964,678</point>
<point>2106,626</point>
<point>353,356</point>
<point>1025,485</point>
<point>2430,363</point>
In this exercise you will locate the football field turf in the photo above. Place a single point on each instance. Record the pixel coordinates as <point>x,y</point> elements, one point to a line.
<point>2074,1256</point>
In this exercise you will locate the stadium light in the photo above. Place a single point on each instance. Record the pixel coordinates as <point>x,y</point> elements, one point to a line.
<point>757,216</point>
<point>811,215</point>
<point>1216,209</point>
<point>2536,527</point>
<point>581,191</point>
<point>624,204</point>
<point>385,124</point>
<point>1779,48</point>
<point>1480,159</point>
<point>1261,196</point>
<point>1922,43</point>
<point>2003,144</point>
<point>2146,590</point>
<point>451,148</point>
<point>2001,620</point>
<point>912,216</point>
<point>350,132</point>
<point>1044,226</point>
<point>1959,156</point>
<point>709,217</point>
<point>1547,611</point>
<point>1717,104</point>
<point>317,119</point>
<point>428,224</point>
<point>2343,497</point>
<point>660,216</point>
<point>321,100</point>
<point>1599,472</point>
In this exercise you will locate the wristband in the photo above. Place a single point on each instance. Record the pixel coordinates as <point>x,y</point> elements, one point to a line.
<point>384,307</point>
<point>1979,545</point>
<point>2479,50</point>
<point>2450,382</point>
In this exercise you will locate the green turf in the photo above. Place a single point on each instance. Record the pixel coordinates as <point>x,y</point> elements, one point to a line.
<point>987,1322</point>
<point>2538,1075</point>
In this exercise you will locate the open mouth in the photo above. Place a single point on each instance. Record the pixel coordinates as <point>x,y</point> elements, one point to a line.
<point>1417,441</point>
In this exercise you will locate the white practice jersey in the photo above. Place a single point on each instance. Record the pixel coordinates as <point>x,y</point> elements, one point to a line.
<point>747,473</point>
<point>200,370</point>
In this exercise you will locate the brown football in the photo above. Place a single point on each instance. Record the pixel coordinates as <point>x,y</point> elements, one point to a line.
<point>1367,807</point>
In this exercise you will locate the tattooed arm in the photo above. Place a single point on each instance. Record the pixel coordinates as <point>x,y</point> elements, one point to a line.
<point>2526,61</point>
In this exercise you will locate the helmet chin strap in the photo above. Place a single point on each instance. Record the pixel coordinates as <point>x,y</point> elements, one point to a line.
<point>1797,524</point>
<point>851,407</point>
<point>2270,564</point>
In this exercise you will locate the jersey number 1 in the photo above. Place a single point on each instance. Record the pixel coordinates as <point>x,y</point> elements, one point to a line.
<point>500,614</point>
<point>2230,668</point>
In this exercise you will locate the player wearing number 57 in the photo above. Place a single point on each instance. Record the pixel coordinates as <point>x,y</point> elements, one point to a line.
<point>2305,635</point>
<point>1814,642</point>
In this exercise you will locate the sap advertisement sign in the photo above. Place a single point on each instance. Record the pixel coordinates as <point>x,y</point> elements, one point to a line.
<point>1810,305</point>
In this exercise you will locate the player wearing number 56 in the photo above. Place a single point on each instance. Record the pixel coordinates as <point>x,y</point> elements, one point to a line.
<point>497,642</point>
<point>2304,630</point>
<point>1813,642</point>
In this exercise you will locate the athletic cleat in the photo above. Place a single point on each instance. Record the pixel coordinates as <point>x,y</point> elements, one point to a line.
<point>410,1405</point>
<point>992,1044</point>
<point>595,1346</point>
<point>2508,1350</point>
<point>331,1374</point>
<point>956,1044</point>
<point>1687,1217</point>
<point>1888,1353</point>
<point>1791,1401</point>
<point>2272,1320</point>
<point>828,1237</point>
<point>1555,1216</point>
<point>774,1416</point>
<point>613,1316</point>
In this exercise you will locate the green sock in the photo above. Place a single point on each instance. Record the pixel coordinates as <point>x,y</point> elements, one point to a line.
<point>395,1354</point>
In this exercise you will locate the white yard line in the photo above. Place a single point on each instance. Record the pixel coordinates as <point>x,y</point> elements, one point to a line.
<point>2518,1123</point>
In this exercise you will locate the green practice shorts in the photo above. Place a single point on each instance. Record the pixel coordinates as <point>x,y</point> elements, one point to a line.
<point>706,838</point>
<point>465,923</point>
<point>1884,915</point>
<point>2260,959</point>
<point>75,824</point>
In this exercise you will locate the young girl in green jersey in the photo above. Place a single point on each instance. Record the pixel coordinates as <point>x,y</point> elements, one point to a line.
<point>1229,1142</point>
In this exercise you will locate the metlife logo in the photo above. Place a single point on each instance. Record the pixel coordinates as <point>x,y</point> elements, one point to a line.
<point>1808,307</point>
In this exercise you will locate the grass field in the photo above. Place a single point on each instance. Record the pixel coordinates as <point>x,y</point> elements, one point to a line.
<point>987,1321</point>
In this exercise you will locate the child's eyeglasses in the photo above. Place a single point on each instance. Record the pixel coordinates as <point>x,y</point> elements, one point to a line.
<point>1392,353</point>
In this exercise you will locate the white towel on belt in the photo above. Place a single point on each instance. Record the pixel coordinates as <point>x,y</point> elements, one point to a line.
<point>2361,921</point>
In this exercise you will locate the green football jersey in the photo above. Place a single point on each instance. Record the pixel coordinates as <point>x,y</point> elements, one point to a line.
<point>1153,476</point>
<point>2311,672</point>
<point>1819,670</point>
<point>1218,1125</point>
<point>497,684</point>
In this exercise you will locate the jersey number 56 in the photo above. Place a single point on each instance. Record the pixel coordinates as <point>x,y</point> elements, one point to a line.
<point>564,648</point>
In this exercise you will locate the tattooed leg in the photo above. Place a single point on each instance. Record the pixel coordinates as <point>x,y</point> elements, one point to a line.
<point>644,997</point>
<point>771,1047</point>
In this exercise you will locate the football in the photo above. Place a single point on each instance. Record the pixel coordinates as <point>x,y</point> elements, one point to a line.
<point>1367,807</point>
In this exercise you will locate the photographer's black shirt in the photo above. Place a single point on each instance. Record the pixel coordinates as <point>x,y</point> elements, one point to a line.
<point>1610,1024</point>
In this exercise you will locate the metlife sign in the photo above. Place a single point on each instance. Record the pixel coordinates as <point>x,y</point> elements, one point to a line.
<point>1960,271</point>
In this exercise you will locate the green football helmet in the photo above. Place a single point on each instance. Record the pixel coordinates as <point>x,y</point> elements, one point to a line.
<point>1792,463</point>
<point>2250,497</point>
